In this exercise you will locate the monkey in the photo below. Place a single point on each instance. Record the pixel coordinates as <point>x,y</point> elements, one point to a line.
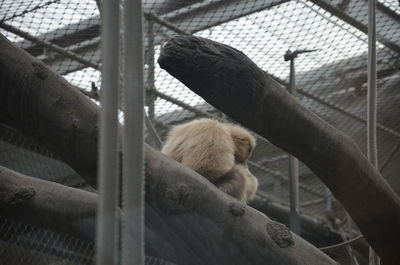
<point>203,145</point>
<point>244,144</point>
<point>218,151</point>
<point>239,183</point>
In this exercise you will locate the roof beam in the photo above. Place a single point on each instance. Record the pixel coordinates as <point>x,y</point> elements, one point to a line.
<point>193,18</point>
<point>89,28</point>
<point>356,14</point>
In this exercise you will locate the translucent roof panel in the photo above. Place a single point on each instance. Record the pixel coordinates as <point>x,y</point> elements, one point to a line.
<point>265,36</point>
<point>53,15</point>
<point>393,5</point>
<point>10,9</point>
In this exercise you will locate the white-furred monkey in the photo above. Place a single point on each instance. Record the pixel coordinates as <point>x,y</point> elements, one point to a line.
<point>218,151</point>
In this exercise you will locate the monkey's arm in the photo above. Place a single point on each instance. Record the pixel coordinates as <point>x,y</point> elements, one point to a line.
<point>233,183</point>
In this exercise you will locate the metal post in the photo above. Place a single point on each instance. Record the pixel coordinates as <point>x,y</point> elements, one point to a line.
<point>152,131</point>
<point>150,97</point>
<point>293,170</point>
<point>328,200</point>
<point>133,173</point>
<point>150,88</point>
<point>371,108</point>
<point>293,162</point>
<point>108,137</point>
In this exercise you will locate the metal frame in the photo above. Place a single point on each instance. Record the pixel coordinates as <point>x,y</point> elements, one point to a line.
<point>150,97</point>
<point>108,138</point>
<point>355,18</point>
<point>293,162</point>
<point>133,153</point>
<point>190,18</point>
<point>371,101</point>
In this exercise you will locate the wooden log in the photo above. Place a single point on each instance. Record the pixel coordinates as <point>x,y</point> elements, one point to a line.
<point>47,204</point>
<point>231,82</point>
<point>72,212</point>
<point>205,225</point>
<point>46,107</point>
<point>181,225</point>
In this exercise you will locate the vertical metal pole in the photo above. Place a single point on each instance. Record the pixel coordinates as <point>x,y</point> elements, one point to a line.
<point>133,173</point>
<point>371,108</point>
<point>293,162</point>
<point>108,136</point>
<point>150,97</point>
<point>328,200</point>
<point>152,131</point>
<point>294,171</point>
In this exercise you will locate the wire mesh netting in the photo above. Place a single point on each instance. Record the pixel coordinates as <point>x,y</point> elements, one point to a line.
<point>26,244</point>
<point>331,81</point>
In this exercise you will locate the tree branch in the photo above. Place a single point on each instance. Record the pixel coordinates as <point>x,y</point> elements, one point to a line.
<point>181,225</point>
<point>204,225</point>
<point>230,81</point>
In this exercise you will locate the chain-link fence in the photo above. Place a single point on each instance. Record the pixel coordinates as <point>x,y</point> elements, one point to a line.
<point>25,244</point>
<point>331,81</point>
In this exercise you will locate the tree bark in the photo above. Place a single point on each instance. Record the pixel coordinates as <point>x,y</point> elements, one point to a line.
<point>46,107</point>
<point>202,224</point>
<point>47,204</point>
<point>181,225</point>
<point>316,231</point>
<point>230,81</point>
<point>72,212</point>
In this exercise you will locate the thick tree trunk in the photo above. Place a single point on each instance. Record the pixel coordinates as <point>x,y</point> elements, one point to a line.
<point>73,212</point>
<point>44,106</point>
<point>188,220</point>
<point>47,204</point>
<point>230,81</point>
<point>202,224</point>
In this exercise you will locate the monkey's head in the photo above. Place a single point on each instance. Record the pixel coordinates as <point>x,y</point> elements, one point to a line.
<point>244,143</point>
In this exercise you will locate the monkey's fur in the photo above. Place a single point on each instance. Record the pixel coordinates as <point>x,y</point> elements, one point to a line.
<point>218,151</point>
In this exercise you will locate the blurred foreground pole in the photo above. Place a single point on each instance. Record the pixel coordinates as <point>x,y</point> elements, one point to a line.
<point>371,108</point>
<point>133,166</point>
<point>108,136</point>
<point>293,162</point>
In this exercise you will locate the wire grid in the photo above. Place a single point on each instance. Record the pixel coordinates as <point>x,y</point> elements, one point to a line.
<point>330,81</point>
<point>25,244</point>
<point>20,153</point>
<point>392,5</point>
<point>10,9</point>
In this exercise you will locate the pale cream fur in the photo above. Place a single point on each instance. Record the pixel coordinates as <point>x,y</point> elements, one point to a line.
<point>251,185</point>
<point>203,145</point>
<point>213,149</point>
<point>244,142</point>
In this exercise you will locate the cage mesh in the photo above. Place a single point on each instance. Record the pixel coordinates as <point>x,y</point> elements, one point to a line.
<point>331,81</point>
<point>26,244</point>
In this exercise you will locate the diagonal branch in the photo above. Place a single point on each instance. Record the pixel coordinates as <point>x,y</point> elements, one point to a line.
<point>230,81</point>
<point>204,225</point>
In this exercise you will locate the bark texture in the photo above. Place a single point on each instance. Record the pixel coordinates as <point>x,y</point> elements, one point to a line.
<point>47,204</point>
<point>46,107</point>
<point>188,220</point>
<point>201,224</point>
<point>230,81</point>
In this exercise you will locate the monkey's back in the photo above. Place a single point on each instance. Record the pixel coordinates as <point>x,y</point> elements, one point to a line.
<point>204,145</point>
